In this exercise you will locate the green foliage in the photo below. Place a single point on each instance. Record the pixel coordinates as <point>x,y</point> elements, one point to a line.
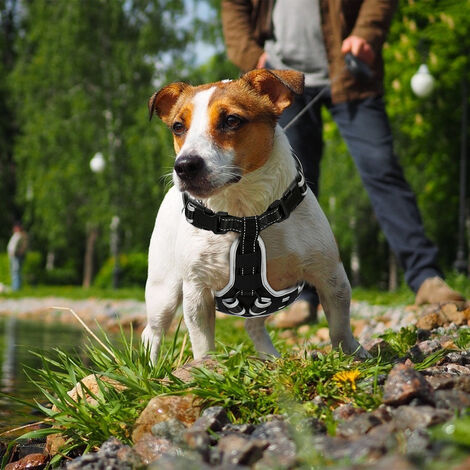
<point>33,268</point>
<point>132,271</point>
<point>4,269</point>
<point>401,341</point>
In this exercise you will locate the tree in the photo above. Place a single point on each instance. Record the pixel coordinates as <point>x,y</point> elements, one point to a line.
<point>81,84</point>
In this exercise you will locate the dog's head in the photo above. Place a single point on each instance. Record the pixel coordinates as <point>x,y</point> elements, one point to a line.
<point>223,130</point>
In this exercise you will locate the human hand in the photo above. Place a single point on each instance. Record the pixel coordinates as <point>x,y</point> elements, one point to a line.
<point>262,61</point>
<point>359,47</point>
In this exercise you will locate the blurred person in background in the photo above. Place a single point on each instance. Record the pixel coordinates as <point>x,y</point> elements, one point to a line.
<point>16,249</point>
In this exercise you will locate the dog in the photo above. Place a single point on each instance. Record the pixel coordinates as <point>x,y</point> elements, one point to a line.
<point>232,161</point>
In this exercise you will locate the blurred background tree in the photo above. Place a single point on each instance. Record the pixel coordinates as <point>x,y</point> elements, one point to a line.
<point>75,78</point>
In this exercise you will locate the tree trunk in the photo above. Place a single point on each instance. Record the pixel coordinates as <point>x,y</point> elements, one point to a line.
<point>92,236</point>
<point>392,272</point>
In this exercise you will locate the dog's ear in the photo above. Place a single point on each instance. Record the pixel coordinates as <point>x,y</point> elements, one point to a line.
<point>161,102</point>
<point>279,85</point>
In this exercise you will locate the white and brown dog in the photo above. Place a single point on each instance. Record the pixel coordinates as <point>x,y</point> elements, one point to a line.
<point>233,157</point>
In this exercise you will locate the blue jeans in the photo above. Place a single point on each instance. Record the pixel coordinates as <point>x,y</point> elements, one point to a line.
<point>16,265</point>
<point>364,126</point>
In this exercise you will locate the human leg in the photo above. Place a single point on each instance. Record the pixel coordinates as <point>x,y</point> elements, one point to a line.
<point>306,139</point>
<point>364,126</point>
<point>15,270</point>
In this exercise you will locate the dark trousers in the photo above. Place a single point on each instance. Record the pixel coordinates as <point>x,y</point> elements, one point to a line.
<point>364,126</point>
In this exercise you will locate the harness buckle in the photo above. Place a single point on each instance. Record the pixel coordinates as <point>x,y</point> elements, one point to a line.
<point>280,206</point>
<point>212,221</point>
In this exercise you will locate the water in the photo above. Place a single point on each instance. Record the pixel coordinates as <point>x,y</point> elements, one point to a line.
<point>18,338</point>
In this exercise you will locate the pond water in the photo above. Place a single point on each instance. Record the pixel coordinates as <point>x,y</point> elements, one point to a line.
<point>18,340</point>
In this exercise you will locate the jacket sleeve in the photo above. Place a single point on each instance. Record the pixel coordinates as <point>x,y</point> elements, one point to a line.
<point>373,21</point>
<point>242,48</point>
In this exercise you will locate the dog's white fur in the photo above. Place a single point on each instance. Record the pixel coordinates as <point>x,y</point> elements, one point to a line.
<point>187,264</point>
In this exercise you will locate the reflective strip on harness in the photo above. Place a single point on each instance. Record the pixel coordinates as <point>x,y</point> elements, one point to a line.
<point>260,299</point>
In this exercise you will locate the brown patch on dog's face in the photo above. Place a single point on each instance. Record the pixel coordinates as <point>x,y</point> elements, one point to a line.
<point>224,130</point>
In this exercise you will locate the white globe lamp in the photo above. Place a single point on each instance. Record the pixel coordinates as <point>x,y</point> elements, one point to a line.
<point>422,82</point>
<point>97,163</point>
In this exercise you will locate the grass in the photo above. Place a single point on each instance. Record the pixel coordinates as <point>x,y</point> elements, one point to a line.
<point>76,292</point>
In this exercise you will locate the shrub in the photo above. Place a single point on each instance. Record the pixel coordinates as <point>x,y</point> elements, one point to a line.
<point>132,271</point>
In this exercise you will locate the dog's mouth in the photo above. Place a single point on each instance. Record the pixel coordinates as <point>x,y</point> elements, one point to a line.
<point>205,186</point>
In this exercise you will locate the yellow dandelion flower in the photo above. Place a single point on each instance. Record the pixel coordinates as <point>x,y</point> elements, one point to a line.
<point>347,376</point>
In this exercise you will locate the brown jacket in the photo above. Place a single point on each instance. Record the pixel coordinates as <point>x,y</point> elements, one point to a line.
<point>247,24</point>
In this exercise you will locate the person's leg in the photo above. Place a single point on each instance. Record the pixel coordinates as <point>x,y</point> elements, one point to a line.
<point>364,126</point>
<point>306,139</point>
<point>15,271</point>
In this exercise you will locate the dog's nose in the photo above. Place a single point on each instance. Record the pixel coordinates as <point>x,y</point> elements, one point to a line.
<point>188,166</point>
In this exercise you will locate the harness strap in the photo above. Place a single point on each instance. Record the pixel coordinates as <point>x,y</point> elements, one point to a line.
<point>221,222</point>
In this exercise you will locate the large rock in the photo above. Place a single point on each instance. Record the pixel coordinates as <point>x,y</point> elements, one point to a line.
<point>183,408</point>
<point>113,455</point>
<point>403,384</point>
<point>419,417</point>
<point>30,462</point>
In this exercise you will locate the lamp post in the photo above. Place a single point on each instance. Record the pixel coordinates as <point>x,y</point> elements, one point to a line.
<point>97,165</point>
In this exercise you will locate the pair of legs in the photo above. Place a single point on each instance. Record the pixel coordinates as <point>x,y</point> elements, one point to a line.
<point>16,265</point>
<point>364,126</point>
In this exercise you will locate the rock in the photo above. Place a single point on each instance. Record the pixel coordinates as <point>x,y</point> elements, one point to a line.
<point>113,455</point>
<point>453,315</point>
<point>346,411</point>
<point>394,462</point>
<point>184,373</point>
<point>150,448</point>
<point>418,443</point>
<point>447,370</point>
<point>239,450</point>
<point>171,429</point>
<point>281,451</point>
<point>358,425</point>
<point>423,349</point>
<point>199,441</point>
<point>452,399</point>
<point>212,419</point>
<point>422,335</point>
<point>88,386</point>
<point>54,442</point>
<point>379,346</point>
<point>417,417</point>
<point>30,462</point>
<point>178,462</point>
<point>159,409</point>
<point>246,428</point>
<point>403,384</point>
<point>430,321</point>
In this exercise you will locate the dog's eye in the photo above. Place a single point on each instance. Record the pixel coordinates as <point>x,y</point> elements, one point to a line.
<point>178,128</point>
<point>232,122</point>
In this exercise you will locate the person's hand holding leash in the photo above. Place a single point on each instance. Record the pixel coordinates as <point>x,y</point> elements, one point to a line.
<point>359,47</point>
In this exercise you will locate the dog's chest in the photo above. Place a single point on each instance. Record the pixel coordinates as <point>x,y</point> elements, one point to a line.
<point>209,262</point>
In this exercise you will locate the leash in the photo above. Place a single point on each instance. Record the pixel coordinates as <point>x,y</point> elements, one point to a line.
<point>359,69</point>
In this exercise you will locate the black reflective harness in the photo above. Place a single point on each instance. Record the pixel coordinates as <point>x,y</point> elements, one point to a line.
<point>248,293</point>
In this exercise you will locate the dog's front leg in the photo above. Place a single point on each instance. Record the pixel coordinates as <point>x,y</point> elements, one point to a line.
<point>334,291</point>
<point>256,329</point>
<point>162,299</point>
<point>199,317</point>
